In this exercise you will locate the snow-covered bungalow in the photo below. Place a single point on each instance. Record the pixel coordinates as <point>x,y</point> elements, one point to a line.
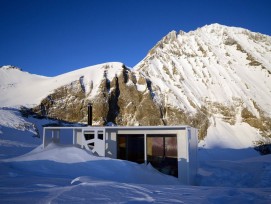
<point>170,149</point>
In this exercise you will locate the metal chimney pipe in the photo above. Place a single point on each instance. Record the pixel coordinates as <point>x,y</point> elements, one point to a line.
<point>89,114</point>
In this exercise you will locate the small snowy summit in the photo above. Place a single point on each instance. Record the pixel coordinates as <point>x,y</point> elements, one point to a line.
<point>216,78</point>
<point>22,88</point>
<point>10,67</point>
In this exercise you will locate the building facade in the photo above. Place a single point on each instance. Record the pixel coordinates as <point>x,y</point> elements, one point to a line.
<point>171,150</point>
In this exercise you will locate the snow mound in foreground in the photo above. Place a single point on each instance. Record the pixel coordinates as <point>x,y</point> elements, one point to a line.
<point>57,153</point>
<point>73,162</point>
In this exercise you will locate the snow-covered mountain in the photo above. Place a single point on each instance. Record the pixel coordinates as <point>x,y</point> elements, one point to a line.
<point>212,64</point>
<point>220,73</point>
<point>215,78</point>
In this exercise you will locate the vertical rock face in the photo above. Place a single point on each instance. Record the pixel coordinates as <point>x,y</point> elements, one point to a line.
<point>135,103</point>
<point>124,99</point>
<point>196,78</point>
<point>66,103</point>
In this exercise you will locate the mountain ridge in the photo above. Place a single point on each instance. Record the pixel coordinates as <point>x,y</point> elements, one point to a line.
<point>203,56</point>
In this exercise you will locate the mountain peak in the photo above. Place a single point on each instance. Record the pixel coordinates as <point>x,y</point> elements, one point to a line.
<point>171,35</point>
<point>10,67</point>
<point>218,28</point>
<point>215,25</point>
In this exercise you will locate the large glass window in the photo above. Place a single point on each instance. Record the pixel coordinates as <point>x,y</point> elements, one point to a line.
<point>162,153</point>
<point>131,147</point>
<point>161,150</point>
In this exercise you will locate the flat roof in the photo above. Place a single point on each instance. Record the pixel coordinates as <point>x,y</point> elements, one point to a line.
<point>146,127</point>
<point>121,127</point>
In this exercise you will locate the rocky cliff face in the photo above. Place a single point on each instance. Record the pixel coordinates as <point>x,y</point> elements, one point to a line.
<point>196,78</point>
<point>124,99</point>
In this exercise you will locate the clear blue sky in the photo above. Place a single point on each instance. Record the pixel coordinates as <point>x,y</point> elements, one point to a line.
<point>51,37</point>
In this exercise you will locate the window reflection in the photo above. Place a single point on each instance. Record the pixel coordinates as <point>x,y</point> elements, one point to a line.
<point>161,150</point>
<point>162,153</point>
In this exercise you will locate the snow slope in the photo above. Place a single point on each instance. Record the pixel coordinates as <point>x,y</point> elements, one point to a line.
<point>20,88</point>
<point>214,63</point>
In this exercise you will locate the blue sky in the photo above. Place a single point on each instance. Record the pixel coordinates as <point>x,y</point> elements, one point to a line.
<point>51,37</point>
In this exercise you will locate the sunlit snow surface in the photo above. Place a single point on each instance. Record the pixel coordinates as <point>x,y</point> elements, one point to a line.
<point>65,174</point>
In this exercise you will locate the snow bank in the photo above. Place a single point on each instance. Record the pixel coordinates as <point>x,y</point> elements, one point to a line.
<point>238,136</point>
<point>248,173</point>
<point>11,118</point>
<point>75,162</point>
<point>56,153</point>
<point>235,143</point>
